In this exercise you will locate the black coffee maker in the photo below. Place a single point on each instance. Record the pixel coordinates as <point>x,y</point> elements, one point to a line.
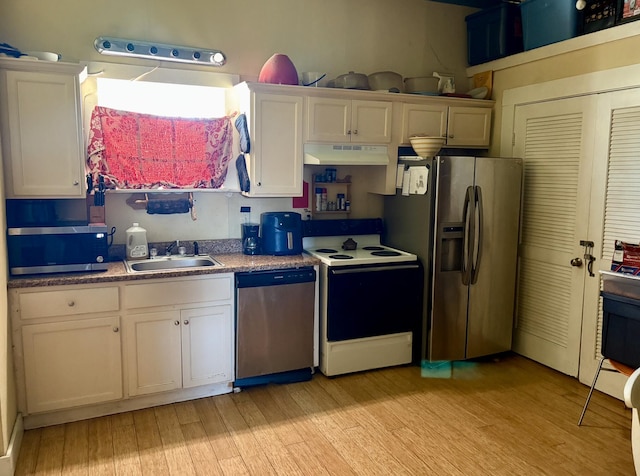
<point>251,238</point>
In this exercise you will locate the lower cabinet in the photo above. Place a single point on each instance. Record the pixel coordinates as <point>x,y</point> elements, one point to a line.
<point>89,350</point>
<point>73,363</point>
<point>172,349</point>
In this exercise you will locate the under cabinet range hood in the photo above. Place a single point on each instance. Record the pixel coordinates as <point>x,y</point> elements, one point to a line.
<point>346,154</point>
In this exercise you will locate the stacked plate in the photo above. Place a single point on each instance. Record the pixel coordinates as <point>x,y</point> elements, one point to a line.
<point>426,146</point>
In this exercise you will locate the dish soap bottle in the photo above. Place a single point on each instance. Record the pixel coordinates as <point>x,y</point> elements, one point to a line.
<point>137,242</point>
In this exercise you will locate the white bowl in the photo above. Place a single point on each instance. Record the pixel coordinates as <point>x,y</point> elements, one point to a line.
<point>426,146</point>
<point>44,55</point>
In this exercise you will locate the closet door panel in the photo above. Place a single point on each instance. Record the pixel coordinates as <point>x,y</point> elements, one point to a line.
<point>555,139</point>
<point>614,215</point>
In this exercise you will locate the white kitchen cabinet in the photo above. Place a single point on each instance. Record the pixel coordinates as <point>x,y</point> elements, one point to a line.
<point>42,142</point>
<point>469,127</point>
<point>336,120</point>
<point>274,119</point>
<point>67,346</point>
<point>173,349</point>
<point>72,363</point>
<point>179,333</point>
<point>424,119</point>
<point>462,126</point>
<point>207,339</point>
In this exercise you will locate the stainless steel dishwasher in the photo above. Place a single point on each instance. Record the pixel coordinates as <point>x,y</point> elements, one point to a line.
<point>274,325</point>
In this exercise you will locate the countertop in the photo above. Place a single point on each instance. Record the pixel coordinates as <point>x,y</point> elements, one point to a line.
<point>231,263</point>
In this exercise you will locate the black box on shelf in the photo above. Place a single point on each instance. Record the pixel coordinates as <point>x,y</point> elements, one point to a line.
<point>494,33</point>
<point>598,15</point>
<point>621,329</point>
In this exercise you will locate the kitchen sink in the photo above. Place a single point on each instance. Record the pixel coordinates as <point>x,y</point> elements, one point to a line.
<point>168,263</point>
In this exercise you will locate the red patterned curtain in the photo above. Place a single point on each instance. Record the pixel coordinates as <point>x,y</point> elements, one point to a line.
<point>135,151</point>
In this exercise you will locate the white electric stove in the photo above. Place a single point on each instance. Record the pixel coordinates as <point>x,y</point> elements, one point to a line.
<point>331,250</point>
<point>370,296</point>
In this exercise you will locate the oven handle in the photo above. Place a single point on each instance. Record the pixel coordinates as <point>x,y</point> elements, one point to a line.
<point>373,269</point>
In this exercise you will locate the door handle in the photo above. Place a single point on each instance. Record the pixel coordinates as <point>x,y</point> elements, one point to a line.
<point>588,248</point>
<point>577,262</point>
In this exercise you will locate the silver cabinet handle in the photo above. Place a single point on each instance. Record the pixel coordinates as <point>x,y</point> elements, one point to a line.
<point>71,303</point>
<point>186,322</point>
<point>116,329</point>
<point>75,182</point>
<point>355,132</point>
<point>176,323</point>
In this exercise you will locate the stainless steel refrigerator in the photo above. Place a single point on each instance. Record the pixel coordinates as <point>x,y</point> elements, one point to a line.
<point>465,231</point>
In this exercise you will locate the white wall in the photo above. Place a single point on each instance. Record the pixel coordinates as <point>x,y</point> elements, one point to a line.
<point>411,37</point>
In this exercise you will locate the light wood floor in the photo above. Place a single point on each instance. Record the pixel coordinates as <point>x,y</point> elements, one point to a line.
<point>505,417</point>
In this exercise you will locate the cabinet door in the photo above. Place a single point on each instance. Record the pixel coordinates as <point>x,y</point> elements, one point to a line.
<point>423,119</point>
<point>469,127</point>
<point>328,120</point>
<point>44,149</point>
<point>73,363</point>
<point>153,352</point>
<point>371,122</point>
<point>207,340</point>
<point>275,166</point>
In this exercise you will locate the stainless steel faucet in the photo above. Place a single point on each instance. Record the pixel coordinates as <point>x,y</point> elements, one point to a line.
<point>171,246</point>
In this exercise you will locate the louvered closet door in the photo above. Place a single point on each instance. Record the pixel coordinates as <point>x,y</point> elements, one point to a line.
<point>615,215</point>
<point>555,139</point>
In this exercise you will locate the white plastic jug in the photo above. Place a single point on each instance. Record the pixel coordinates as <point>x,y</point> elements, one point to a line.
<point>137,242</point>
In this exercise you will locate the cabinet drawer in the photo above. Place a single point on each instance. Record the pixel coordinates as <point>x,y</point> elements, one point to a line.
<point>68,302</point>
<point>185,291</point>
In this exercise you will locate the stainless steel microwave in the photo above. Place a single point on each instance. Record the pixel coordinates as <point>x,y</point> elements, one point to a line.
<point>57,249</point>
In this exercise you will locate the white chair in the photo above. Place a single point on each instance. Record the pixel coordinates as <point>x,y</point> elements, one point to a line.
<point>632,399</point>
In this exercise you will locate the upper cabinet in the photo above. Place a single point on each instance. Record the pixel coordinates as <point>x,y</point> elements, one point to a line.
<point>42,144</point>
<point>345,120</point>
<point>462,126</point>
<point>469,127</point>
<point>274,118</point>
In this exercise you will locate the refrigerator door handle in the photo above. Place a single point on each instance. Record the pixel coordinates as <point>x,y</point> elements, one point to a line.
<point>477,252</point>
<point>467,214</point>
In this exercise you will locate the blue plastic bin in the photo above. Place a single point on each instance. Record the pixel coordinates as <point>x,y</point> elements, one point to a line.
<point>493,33</point>
<point>621,329</point>
<point>548,21</point>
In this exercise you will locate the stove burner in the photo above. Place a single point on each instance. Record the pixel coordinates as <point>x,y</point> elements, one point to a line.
<point>373,248</point>
<point>340,256</point>
<point>326,250</point>
<point>385,253</point>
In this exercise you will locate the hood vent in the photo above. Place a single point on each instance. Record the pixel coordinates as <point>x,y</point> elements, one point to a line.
<point>345,154</point>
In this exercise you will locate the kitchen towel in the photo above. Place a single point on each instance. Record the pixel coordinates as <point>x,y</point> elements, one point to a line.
<point>243,175</point>
<point>418,180</point>
<point>243,131</point>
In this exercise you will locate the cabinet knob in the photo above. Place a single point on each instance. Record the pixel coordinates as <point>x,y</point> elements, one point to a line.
<point>451,136</point>
<point>348,133</point>
<point>71,303</point>
<point>355,132</point>
<point>259,184</point>
<point>75,182</point>
<point>116,329</point>
<point>176,323</point>
<point>186,322</point>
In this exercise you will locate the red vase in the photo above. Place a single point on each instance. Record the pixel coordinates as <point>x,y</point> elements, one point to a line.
<point>278,70</point>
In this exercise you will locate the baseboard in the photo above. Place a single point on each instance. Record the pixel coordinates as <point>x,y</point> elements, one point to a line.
<point>9,461</point>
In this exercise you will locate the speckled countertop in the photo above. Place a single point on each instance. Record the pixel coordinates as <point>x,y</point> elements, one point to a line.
<point>226,252</point>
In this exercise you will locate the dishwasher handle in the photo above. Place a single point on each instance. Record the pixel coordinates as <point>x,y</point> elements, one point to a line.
<point>275,277</point>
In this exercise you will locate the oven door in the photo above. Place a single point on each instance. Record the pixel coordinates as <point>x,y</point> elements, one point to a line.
<point>374,300</point>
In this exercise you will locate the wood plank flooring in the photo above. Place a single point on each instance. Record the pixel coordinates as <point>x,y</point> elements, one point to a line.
<point>506,416</point>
